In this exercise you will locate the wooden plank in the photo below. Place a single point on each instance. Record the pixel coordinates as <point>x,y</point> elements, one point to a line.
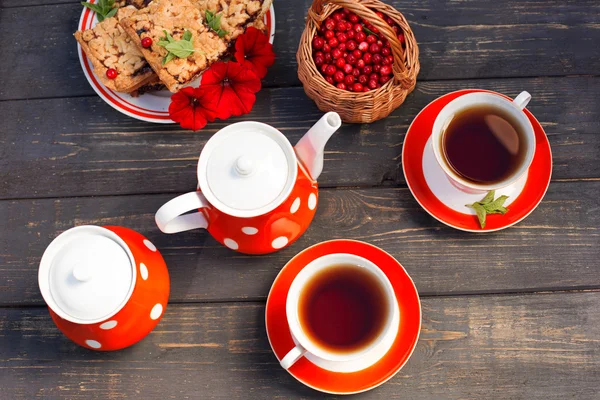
<point>555,248</point>
<point>81,146</point>
<point>542,346</point>
<point>457,40</point>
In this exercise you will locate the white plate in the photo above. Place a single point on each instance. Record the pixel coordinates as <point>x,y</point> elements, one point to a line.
<point>150,107</point>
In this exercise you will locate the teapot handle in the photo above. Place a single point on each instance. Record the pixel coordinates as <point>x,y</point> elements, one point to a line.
<point>169,217</point>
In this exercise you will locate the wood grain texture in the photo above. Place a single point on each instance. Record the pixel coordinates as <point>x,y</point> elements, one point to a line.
<point>457,40</point>
<point>541,346</point>
<point>81,146</point>
<point>556,247</point>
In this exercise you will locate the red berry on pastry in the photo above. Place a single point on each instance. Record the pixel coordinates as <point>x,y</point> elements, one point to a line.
<point>111,73</point>
<point>146,42</point>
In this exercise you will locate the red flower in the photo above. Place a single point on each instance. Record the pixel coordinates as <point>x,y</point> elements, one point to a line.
<point>193,108</point>
<point>234,87</point>
<point>253,50</point>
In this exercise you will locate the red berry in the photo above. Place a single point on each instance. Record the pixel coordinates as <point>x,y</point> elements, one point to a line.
<point>358,28</point>
<point>379,43</point>
<point>319,54</point>
<point>342,37</point>
<point>318,42</point>
<point>326,48</point>
<point>329,35</point>
<point>350,34</point>
<point>111,73</point>
<point>363,46</point>
<point>360,64</point>
<point>349,79</point>
<point>386,51</point>
<point>387,44</point>
<point>337,53</point>
<point>385,61</point>
<point>373,29</point>
<point>385,70</point>
<point>338,76</point>
<point>330,70</point>
<point>354,18</point>
<point>357,87</point>
<point>348,68</point>
<point>333,42</point>
<point>146,42</point>
<point>401,38</point>
<point>351,45</point>
<point>341,86</point>
<point>384,79</point>
<point>319,60</point>
<point>324,68</point>
<point>396,28</point>
<point>363,79</point>
<point>366,89</point>
<point>330,80</point>
<point>351,59</point>
<point>368,57</point>
<point>374,77</point>
<point>357,53</point>
<point>345,11</point>
<point>328,57</point>
<point>340,26</point>
<point>377,67</point>
<point>356,72</point>
<point>389,21</point>
<point>371,39</point>
<point>390,59</point>
<point>338,16</point>
<point>377,59</point>
<point>367,70</point>
<point>330,24</point>
<point>374,48</point>
<point>373,84</point>
<point>340,63</point>
<point>342,46</point>
<point>380,14</point>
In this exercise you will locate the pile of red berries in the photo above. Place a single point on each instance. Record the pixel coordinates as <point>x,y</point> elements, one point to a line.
<point>351,53</point>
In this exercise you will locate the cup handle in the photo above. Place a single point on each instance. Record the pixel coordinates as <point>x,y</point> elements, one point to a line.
<point>169,217</point>
<point>522,100</point>
<point>292,356</point>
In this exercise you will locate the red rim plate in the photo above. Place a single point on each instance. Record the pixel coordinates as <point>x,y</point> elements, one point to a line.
<point>535,188</point>
<point>346,383</point>
<point>149,107</point>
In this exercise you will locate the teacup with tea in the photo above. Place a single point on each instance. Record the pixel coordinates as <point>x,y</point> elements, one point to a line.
<point>342,313</point>
<point>484,141</point>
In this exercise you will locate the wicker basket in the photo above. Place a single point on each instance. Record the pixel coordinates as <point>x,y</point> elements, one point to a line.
<point>375,104</point>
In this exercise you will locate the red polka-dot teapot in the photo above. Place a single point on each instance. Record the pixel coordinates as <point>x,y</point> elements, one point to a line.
<point>106,287</point>
<point>257,194</point>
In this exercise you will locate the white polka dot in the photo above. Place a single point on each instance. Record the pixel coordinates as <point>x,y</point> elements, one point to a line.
<point>143,271</point>
<point>295,205</point>
<point>108,325</point>
<point>149,245</point>
<point>248,230</point>
<point>232,244</point>
<point>156,311</point>
<point>93,344</point>
<point>312,201</point>
<point>279,242</point>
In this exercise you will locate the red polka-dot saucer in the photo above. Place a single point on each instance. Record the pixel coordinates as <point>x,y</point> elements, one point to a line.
<point>443,201</point>
<point>106,287</point>
<point>341,383</point>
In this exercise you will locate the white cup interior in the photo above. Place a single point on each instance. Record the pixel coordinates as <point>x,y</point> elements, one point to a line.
<point>307,274</point>
<point>478,99</point>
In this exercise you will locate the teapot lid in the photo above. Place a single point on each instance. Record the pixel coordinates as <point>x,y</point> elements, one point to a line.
<point>247,169</point>
<point>87,274</point>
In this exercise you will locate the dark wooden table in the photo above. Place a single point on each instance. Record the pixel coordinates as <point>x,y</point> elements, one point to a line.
<point>508,315</point>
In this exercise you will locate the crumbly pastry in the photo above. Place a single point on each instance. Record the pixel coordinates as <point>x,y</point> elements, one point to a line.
<point>175,17</point>
<point>136,3</point>
<point>108,46</point>
<point>236,15</point>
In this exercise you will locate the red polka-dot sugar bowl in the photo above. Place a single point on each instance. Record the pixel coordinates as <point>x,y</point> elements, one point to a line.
<point>257,194</point>
<point>106,287</point>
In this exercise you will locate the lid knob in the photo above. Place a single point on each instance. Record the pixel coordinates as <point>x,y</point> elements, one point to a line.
<point>244,166</point>
<point>82,273</point>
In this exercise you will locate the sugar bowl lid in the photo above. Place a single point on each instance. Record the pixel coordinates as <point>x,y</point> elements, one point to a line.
<point>87,274</point>
<point>247,169</point>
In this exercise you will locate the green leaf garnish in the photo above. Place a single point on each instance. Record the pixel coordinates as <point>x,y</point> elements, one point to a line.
<point>369,32</point>
<point>177,48</point>
<point>214,22</point>
<point>488,205</point>
<point>103,8</point>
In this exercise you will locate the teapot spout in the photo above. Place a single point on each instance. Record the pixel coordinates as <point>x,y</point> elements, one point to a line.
<point>311,148</point>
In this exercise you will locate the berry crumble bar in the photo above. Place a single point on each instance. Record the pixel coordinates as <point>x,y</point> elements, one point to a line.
<point>108,46</point>
<point>175,17</point>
